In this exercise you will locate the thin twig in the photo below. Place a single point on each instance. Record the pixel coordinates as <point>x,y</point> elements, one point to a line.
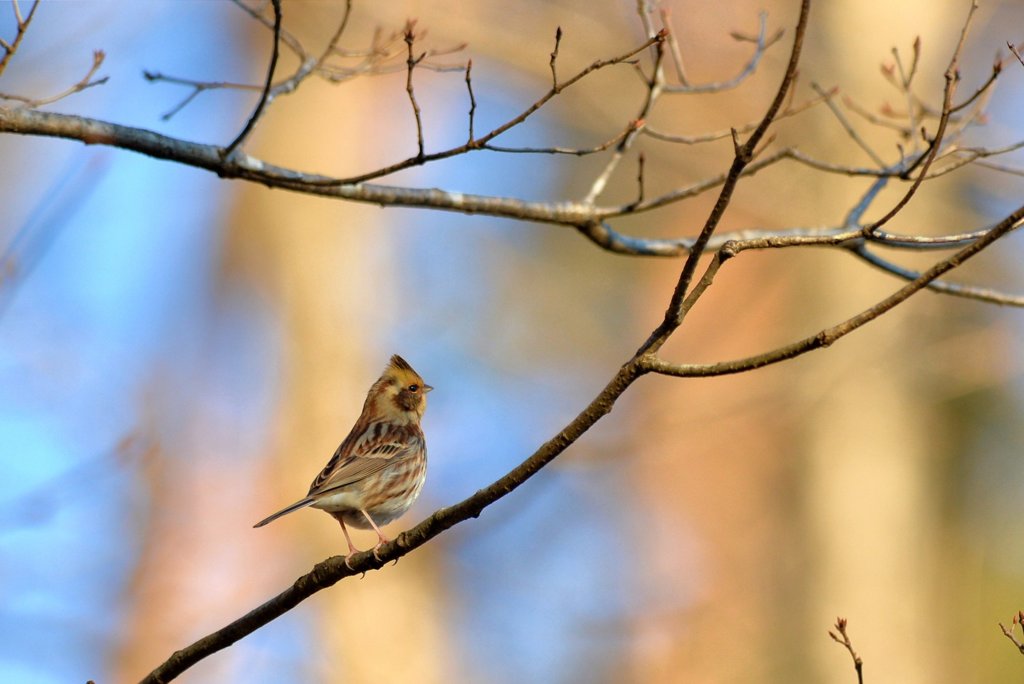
<point>1001,168</point>
<point>410,63</point>
<point>554,57</point>
<point>699,187</point>
<point>673,46</point>
<point>251,123</point>
<point>472,99</point>
<point>790,111</point>
<point>85,82</point>
<point>952,77</point>
<point>198,87</point>
<point>762,44</point>
<point>848,127</point>
<point>858,664</point>
<point>904,85</point>
<point>285,36</point>
<point>307,66</point>
<point>981,294</point>
<point>332,44</point>
<point>997,69</point>
<point>655,87</point>
<point>23,23</point>
<point>482,141</point>
<point>1015,53</point>
<point>856,213</point>
<point>639,179</point>
<point>575,151</point>
<point>1018,619</point>
<point>883,121</point>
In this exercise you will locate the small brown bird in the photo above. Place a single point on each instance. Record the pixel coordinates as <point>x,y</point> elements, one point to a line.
<point>378,471</point>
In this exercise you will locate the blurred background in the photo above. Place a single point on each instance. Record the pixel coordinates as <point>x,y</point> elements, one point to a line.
<point>179,355</point>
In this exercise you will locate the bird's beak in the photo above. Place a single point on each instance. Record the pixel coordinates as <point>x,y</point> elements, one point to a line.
<point>427,388</point>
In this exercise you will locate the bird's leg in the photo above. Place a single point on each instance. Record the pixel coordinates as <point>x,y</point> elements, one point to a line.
<point>381,539</point>
<point>351,547</point>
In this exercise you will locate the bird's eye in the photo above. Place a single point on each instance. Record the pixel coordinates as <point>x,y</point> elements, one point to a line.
<point>414,388</point>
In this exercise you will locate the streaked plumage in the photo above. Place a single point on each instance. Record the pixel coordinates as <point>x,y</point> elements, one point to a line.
<point>378,470</point>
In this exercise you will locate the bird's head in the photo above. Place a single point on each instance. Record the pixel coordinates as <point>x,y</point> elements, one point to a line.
<point>400,395</point>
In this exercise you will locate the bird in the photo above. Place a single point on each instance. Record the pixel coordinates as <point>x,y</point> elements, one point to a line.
<point>378,470</point>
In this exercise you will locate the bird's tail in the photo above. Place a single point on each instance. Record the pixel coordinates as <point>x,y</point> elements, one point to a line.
<point>285,511</point>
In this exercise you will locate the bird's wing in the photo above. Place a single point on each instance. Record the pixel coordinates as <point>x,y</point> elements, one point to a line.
<point>370,456</point>
<point>362,454</point>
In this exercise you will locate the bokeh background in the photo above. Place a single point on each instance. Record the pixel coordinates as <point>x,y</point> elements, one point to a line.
<point>179,355</point>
